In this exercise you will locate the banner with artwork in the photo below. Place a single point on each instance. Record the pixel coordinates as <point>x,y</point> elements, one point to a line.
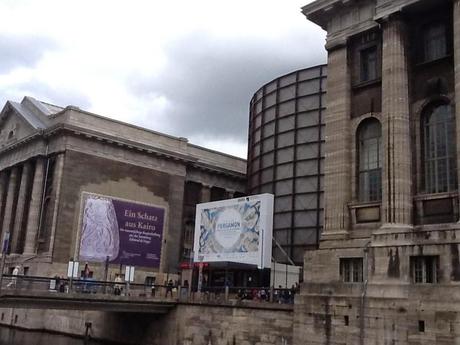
<point>235,230</point>
<point>127,232</point>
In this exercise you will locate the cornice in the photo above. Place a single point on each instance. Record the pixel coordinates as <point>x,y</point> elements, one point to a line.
<point>320,11</point>
<point>386,8</point>
<point>128,144</point>
<point>21,142</point>
<point>340,39</point>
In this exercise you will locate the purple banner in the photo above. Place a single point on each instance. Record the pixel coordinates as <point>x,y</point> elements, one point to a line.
<point>126,232</point>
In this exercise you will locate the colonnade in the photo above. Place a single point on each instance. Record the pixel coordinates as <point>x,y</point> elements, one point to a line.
<point>22,189</point>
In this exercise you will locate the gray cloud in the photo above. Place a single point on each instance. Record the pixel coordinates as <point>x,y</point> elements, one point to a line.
<point>46,93</point>
<point>57,96</point>
<point>210,82</point>
<point>22,50</point>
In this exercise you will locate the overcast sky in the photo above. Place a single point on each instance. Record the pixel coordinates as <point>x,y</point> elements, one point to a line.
<point>185,68</point>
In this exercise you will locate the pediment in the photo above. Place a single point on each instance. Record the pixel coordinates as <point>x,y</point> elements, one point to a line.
<point>13,126</point>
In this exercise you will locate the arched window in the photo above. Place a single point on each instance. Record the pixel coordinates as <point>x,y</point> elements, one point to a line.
<point>370,162</point>
<point>439,156</point>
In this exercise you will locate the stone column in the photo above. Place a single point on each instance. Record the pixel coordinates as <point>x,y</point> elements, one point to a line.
<point>33,222</point>
<point>456,17</point>
<point>337,179</point>
<point>172,250</point>
<point>57,179</point>
<point>3,187</point>
<point>8,218</point>
<point>20,208</point>
<point>397,176</point>
<point>205,193</point>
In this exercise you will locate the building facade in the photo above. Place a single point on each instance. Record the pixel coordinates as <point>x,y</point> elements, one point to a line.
<point>388,268</point>
<point>50,156</point>
<point>285,157</point>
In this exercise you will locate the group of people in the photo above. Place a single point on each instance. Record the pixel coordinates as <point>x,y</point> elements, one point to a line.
<point>286,295</point>
<point>280,295</point>
<point>175,289</point>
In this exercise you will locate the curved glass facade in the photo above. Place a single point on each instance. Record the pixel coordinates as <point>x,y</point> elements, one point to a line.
<point>285,157</point>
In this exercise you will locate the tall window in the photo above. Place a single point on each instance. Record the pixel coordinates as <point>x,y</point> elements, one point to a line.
<point>369,64</point>
<point>434,41</point>
<point>370,165</point>
<point>439,149</point>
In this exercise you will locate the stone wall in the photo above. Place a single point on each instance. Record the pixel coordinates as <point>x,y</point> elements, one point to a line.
<point>259,324</point>
<point>87,173</point>
<point>338,314</point>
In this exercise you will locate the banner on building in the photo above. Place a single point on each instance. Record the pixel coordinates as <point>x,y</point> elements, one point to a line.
<point>126,232</point>
<point>235,230</point>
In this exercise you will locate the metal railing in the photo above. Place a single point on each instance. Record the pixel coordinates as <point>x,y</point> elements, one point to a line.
<point>208,294</point>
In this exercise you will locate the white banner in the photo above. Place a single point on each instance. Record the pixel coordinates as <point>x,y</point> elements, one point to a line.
<point>235,230</point>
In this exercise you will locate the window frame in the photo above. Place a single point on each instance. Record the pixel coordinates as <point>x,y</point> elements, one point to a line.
<point>367,74</point>
<point>351,270</point>
<point>365,174</point>
<point>429,40</point>
<point>435,178</point>
<point>424,269</point>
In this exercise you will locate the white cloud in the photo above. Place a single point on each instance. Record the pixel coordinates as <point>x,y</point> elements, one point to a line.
<point>102,49</point>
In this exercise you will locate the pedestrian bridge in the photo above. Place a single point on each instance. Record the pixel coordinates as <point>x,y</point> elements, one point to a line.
<point>78,301</point>
<point>84,294</point>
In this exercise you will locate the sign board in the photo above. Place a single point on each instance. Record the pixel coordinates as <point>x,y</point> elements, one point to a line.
<point>72,269</point>
<point>127,232</point>
<point>129,274</point>
<point>6,240</point>
<point>235,230</point>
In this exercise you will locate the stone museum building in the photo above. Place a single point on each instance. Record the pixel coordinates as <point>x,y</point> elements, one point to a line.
<point>387,270</point>
<point>50,156</point>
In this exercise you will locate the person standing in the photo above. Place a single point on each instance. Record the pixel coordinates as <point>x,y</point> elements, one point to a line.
<point>153,286</point>
<point>169,288</point>
<point>13,281</point>
<point>86,271</point>
<point>118,285</point>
